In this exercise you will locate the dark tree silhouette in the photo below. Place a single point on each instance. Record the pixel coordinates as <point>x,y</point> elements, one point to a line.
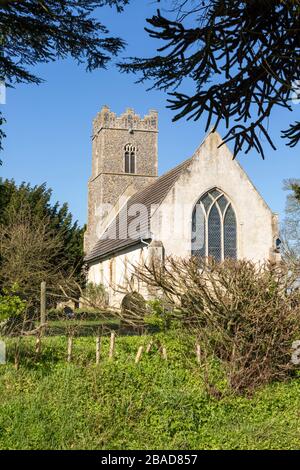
<point>243,58</point>
<point>37,31</point>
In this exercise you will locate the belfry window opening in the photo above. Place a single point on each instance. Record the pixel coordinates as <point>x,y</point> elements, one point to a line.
<point>130,158</point>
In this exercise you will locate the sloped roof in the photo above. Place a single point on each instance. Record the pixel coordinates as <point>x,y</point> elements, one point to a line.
<point>115,237</point>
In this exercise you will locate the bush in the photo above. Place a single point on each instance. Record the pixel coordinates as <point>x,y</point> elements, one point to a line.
<point>12,311</point>
<point>96,295</point>
<point>161,316</point>
<point>11,305</point>
<point>245,315</point>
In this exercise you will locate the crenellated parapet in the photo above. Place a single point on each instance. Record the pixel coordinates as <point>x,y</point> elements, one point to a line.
<point>106,119</point>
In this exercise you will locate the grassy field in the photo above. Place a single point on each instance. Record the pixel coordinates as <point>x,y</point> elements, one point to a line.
<point>157,404</point>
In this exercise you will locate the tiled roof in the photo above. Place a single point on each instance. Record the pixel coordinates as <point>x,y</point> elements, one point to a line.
<point>152,194</point>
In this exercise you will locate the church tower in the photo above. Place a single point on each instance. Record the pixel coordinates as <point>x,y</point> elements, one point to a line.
<point>124,160</point>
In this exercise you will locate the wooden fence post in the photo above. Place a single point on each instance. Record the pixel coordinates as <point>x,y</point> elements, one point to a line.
<point>17,353</point>
<point>198,353</point>
<point>70,347</point>
<point>38,344</point>
<point>139,354</point>
<point>98,349</point>
<point>149,346</point>
<point>112,345</point>
<point>43,303</point>
<point>2,352</point>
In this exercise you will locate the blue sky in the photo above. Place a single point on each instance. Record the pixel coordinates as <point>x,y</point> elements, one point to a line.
<point>49,126</point>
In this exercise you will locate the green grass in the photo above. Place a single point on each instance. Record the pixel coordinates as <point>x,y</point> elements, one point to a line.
<point>157,404</point>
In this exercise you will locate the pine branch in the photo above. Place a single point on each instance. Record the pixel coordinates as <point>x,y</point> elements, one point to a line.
<point>39,31</point>
<point>241,57</point>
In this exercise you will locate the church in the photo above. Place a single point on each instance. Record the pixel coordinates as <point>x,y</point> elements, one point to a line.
<point>205,206</point>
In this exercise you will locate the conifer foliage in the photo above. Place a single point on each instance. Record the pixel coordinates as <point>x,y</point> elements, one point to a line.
<point>39,31</point>
<point>242,58</point>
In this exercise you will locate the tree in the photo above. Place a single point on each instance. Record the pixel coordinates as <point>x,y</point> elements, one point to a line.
<point>59,221</point>
<point>37,31</point>
<point>296,188</point>
<point>29,250</point>
<point>242,58</point>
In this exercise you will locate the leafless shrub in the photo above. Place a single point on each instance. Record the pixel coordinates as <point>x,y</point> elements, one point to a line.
<point>245,315</point>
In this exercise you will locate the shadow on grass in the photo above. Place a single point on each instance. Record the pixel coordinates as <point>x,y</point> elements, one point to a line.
<point>93,328</point>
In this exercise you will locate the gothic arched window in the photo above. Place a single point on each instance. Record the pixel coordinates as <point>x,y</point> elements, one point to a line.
<point>214,229</point>
<point>130,157</point>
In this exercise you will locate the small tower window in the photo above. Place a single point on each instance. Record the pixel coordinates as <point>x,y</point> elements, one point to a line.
<point>130,158</point>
